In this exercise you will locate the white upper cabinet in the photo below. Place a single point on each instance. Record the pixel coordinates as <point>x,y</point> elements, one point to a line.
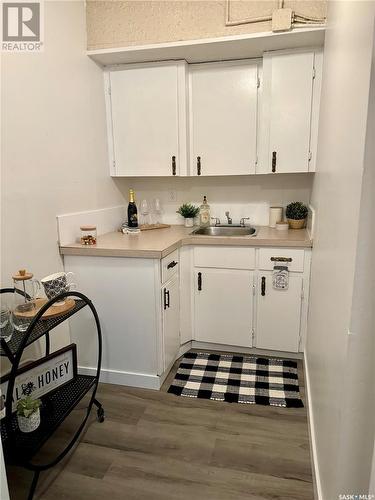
<point>223,118</point>
<point>146,116</point>
<point>289,111</point>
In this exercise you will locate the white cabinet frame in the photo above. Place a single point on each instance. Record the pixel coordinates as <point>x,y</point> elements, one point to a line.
<point>253,66</point>
<point>307,163</point>
<point>182,121</point>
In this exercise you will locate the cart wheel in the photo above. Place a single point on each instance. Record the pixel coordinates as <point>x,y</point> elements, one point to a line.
<point>100,415</point>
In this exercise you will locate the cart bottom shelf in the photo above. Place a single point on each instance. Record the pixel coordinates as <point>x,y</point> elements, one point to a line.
<point>56,407</point>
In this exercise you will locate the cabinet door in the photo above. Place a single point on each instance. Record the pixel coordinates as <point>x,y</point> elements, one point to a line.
<point>148,120</point>
<point>171,320</point>
<point>223,306</point>
<point>223,113</point>
<point>278,314</point>
<point>286,112</point>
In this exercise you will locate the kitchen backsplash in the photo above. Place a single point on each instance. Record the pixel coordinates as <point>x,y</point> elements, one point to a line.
<point>243,196</point>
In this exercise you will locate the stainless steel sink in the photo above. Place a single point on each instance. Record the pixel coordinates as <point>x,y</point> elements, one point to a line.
<point>226,231</point>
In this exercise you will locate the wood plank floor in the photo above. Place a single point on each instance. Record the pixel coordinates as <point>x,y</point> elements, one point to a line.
<point>157,446</point>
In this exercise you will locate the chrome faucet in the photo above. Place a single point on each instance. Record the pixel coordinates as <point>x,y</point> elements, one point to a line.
<point>242,221</point>
<point>229,219</point>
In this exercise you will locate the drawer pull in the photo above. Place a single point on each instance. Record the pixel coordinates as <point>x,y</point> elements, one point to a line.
<point>173,165</point>
<point>172,264</point>
<point>263,286</point>
<point>274,161</point>
<point>199,168</point>
<point>199,282</point>
<point>281,259</point>
<point>166,296</point>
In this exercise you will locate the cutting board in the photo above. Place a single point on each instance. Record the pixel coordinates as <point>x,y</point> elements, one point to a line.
<point>148,227</point>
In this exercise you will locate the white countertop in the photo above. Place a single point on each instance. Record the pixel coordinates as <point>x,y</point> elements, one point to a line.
<point>158,243</point>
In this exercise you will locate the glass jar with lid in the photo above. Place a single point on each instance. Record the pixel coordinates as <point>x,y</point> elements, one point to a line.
<point>88,235</point>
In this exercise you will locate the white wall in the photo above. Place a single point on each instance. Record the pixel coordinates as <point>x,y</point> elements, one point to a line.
<point>54,152</point>
<point>334,362</point>
<point>54,156</point>
<point>243,196</point>
<point>358,423</point>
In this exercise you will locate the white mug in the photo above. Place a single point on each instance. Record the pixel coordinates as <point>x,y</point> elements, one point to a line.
<point>57,283</point>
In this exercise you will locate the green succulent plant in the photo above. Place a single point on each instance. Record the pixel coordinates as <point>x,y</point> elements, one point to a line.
<point>188,211</point>
<point>27,406</point>
<point>296,210</point>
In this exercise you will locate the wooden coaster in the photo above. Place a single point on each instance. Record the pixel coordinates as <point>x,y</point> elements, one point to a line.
<point>52,312</point>
<point>148,227</point>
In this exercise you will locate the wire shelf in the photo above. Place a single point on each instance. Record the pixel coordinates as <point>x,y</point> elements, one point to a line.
<point>55,408</point>
<point>41,328</point>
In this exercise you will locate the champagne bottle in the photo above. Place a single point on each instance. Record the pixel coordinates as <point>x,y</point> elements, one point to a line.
<point>132,210</point>
<point>204,213</point>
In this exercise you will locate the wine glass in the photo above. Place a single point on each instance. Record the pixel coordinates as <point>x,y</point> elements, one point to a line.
<point>145,212</point>
<point>6,328</point>
<point>157,210</point>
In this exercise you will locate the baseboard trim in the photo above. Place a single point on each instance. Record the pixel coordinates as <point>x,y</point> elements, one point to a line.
<point>142,380</point>
<point>195,344</point>
<point>313,449</point>
<point>184,348</point>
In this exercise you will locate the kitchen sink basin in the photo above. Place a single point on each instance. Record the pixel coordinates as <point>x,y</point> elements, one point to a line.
<point>225,231</point>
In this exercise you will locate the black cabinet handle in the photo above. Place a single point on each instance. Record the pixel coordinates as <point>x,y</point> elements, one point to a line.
<point>166,296</point>
<point>281,259</point>
<point>172,264</point>
<point>173,165</point>
<point>199,169</point>
<point>263,287</point>
<point>274,161</point>
<point>199,281</point>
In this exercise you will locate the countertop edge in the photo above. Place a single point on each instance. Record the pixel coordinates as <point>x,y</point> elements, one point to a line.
<point>107,252</point>
<point>183,241</point>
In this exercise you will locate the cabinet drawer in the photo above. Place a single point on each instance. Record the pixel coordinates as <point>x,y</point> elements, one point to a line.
<point>224,257</point>
<point>297,256</point>
<point>169,266</point>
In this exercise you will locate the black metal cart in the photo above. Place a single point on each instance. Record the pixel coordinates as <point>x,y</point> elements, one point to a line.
<point>20,448</point>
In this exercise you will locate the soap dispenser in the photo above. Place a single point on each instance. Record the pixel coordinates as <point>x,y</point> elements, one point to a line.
<point>204,213</point>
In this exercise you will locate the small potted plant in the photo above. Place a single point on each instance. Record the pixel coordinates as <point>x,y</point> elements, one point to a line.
<point>296,214</point>
<point>188,211</point>
<point>28,410</point>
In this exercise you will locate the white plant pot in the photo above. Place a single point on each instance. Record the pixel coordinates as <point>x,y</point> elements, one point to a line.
<point>29,424</point>
<point>189,222</point>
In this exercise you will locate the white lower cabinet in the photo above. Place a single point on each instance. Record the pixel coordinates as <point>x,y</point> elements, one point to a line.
<point>235,304</point>
<point>223,311</point>
<point>171,320</point>
<point>278,318</point>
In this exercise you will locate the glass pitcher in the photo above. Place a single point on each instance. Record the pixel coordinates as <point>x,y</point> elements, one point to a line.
<point>26,290</point>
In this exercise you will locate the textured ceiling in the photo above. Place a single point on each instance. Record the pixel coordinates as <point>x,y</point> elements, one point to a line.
<point>121,23</point>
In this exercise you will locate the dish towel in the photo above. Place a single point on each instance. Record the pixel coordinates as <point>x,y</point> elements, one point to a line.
<point>280,277</point>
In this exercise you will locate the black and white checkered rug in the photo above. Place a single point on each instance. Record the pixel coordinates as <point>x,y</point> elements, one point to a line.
<point>238,379</point>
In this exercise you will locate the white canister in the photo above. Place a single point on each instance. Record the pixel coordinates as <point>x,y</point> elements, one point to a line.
<point>189,222</point>
<point>276,215</point>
